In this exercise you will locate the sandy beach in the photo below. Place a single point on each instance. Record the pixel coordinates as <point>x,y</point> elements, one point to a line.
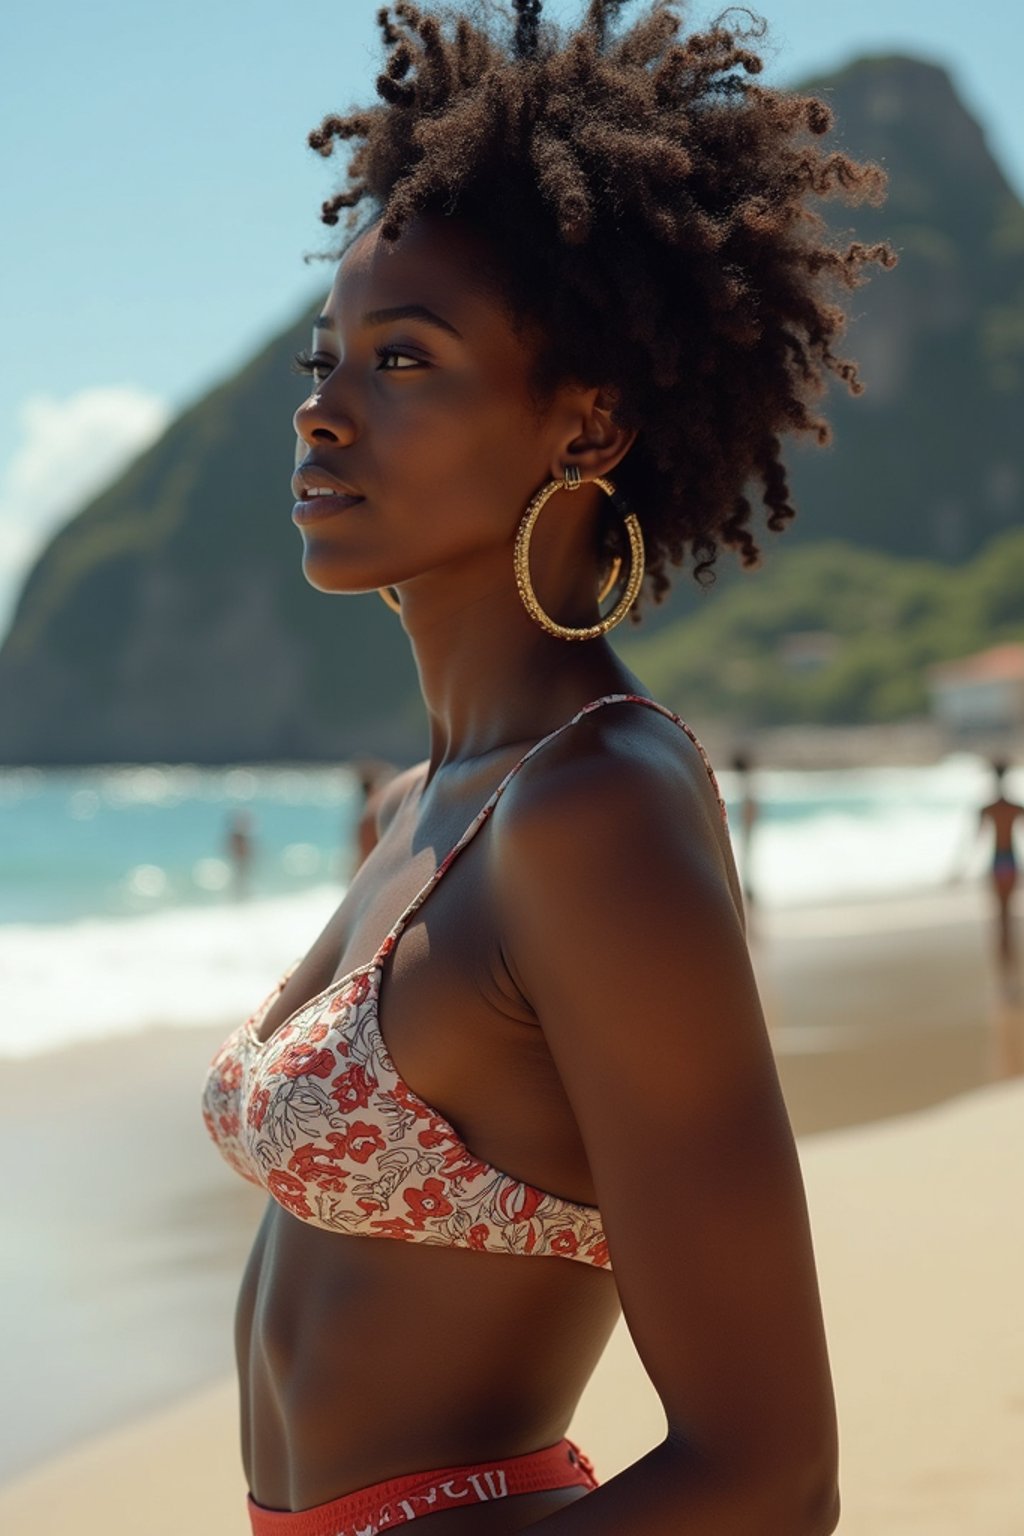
<point>125,1236</point>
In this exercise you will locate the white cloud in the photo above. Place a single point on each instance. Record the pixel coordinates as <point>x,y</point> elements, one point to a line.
<point>69,450</point>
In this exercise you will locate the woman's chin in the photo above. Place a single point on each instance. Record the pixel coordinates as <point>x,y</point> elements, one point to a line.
<point>326,575</point>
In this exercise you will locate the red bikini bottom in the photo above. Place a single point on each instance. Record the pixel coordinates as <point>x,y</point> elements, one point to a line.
<point>401,1499</point>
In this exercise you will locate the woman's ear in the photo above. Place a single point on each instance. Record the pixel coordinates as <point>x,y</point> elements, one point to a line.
<point>597,444</point>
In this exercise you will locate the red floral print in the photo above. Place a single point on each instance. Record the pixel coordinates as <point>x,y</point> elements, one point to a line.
<point>352,1089</point>
<point>477,1236</point>
<point>230,1076</point>
<point>396,1227</point>
<point>428,1201</point>
<point>229,1125</point>
<point>459,1163</point>
<point>356,992</point>
<point>289,1191</point>
<point>563,1242</point>
<point>519,1201</point>
<point>323,1166</point>
<point>304,1061</point>
<point>435,1135</point>
<point>362,1140</point>
<point>409,1100</point>
<point>258,1105</point>
<point>599,1251</point>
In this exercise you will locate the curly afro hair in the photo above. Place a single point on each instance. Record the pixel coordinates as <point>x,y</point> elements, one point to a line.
<point>649,207</point>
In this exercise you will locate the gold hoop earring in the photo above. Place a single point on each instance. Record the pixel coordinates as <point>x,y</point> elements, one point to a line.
<point>389,597</point>
<point>521,562</point>
<point>610,579</point>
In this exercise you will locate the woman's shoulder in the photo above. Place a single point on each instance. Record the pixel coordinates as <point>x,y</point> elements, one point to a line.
<point>625,791</point>
<point>622,759</point>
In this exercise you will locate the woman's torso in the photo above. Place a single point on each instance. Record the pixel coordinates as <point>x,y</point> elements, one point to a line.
<point>359,1358</point>
<point>362,1359</point>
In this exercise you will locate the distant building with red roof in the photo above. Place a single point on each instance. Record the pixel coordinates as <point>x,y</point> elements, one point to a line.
<point>980,692</point>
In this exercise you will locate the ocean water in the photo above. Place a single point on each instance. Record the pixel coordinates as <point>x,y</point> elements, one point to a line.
<point>118,908</point>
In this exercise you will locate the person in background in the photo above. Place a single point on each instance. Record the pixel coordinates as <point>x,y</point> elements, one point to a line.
<point>239,846</point>
<point>1003,815</point>
<point>373,775</point>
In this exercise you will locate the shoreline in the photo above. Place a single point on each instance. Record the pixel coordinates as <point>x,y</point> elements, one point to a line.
<point>919,741</point>
<point>897,744</point>
<point>132,1233</point>
<point>234,954</point>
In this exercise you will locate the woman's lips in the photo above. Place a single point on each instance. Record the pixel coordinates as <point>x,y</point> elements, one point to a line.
<point>315,508</point>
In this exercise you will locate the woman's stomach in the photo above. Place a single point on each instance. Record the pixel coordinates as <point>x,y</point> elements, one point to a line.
<point>362,1358</point>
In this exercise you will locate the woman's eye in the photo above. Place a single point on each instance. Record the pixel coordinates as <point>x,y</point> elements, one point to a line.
<point>390,360</point>
<point>302,362</point>
<point>389,355</point>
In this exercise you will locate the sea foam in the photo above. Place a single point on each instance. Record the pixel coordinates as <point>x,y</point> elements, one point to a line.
<point>115,976</point>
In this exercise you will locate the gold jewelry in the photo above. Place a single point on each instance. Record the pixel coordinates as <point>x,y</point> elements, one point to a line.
<point>572,481</point>
<point>610,579</point>
<point>389,597</point>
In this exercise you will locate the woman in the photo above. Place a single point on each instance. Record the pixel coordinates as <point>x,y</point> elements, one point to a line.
<point>588,299</point>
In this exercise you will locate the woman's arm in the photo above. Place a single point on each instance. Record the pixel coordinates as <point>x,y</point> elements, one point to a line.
<point>622,933</point>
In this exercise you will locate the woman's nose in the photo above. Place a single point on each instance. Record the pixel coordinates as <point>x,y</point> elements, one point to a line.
<point>319,420</point>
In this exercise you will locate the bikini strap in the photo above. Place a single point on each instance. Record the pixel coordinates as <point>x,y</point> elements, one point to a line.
<point>478,820</point>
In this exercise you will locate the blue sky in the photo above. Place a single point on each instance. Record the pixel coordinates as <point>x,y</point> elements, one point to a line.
<point>159,194</point>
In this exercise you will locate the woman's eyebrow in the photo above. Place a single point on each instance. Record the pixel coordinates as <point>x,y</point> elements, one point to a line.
<point>398,312</point>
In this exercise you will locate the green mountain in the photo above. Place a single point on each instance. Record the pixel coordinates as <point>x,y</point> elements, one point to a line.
<point>930,459</point>
<point>169,619</point>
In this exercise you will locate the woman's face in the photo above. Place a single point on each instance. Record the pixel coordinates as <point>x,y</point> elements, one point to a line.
<point>421,406</point>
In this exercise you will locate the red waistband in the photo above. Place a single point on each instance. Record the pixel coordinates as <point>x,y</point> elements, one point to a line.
<point>401,1499</point>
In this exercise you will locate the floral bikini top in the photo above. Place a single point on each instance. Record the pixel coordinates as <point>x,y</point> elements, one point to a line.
<point>319,1117</point>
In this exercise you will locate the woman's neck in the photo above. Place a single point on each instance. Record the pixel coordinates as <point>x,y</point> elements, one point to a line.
<point>490,676</point>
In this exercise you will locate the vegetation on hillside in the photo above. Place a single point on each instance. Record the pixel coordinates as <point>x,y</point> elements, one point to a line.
<point>831,634</point>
